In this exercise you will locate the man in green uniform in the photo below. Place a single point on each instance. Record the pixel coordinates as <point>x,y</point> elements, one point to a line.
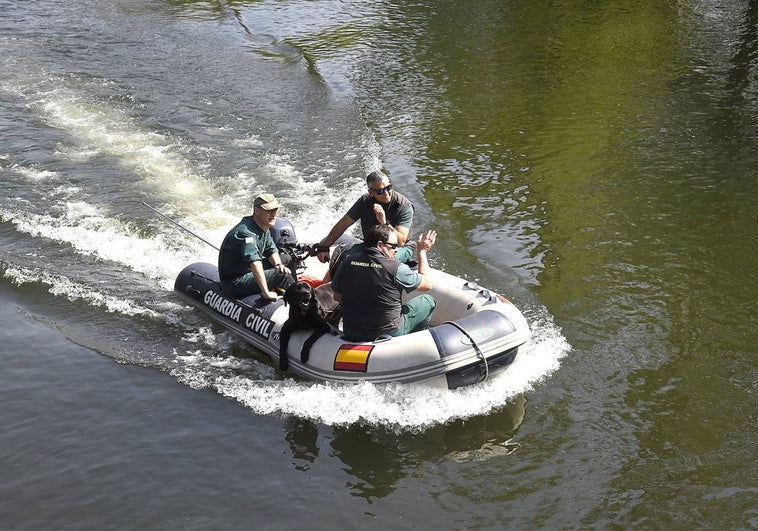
<point>248,261</point>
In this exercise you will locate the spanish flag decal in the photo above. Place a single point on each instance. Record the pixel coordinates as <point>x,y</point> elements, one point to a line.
<point>352,358</point>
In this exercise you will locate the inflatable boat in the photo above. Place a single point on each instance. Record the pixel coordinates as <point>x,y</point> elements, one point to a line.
<point>474,334</point>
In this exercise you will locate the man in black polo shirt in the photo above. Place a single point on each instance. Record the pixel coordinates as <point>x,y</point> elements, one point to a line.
<point>379,206</point>
<point>370,282</point>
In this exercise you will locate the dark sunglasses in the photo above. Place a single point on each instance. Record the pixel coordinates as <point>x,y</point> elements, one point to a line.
<point>382,191</point>
<point>391,245</point>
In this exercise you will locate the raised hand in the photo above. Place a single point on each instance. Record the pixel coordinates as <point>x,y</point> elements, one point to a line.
<point>381,216</point>
<point>425,241</point>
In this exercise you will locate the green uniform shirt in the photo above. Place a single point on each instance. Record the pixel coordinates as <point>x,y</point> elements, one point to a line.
<point>243,245</point>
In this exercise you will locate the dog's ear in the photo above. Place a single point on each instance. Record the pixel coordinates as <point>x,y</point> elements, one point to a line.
<point>289,293</point>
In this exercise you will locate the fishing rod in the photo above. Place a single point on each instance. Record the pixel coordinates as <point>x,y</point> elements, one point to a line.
<point>178,224</point>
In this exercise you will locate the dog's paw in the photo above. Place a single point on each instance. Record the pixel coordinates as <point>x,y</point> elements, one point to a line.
<point>284,362</point>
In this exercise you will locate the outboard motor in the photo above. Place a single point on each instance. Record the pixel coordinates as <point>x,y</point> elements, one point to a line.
<point>283,232</point>
<point>292,254</point>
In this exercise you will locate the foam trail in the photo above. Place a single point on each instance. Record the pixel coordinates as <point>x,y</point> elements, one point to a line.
<point>92,232</point>
<point>65,287</point>
<point>103,129</point>
<point>175,185</point>
<point>162,164</point>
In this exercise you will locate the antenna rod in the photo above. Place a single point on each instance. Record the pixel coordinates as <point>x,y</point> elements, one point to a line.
<point>178,224</point>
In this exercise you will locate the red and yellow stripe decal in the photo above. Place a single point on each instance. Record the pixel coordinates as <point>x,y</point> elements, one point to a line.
<point>352,357</point>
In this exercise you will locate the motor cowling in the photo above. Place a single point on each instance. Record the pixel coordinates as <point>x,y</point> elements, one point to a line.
<point>283,232</point>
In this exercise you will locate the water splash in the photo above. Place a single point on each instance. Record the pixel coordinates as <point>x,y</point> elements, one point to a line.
<point>401,407</point>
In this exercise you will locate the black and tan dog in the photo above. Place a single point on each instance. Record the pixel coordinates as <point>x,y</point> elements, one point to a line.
<point>305,314</point>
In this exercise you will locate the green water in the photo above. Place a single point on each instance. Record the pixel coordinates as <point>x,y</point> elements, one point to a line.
<point>618,140</point>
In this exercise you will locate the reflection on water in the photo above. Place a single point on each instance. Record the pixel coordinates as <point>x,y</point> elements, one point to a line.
<point>302,436</point>
<point>492,441</point>
<point>377,458</point>
<point>374,458</point>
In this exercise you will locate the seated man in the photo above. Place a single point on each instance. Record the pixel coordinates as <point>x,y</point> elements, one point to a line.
<point>369,284</point>
<point>379,206</point>
<point>241,258</point>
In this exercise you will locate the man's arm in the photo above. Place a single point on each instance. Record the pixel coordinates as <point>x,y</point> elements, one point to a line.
<point>338,230</point>
<point>257,268</point>
<point>402,234</point>
<point>276,260</point>
<point>423,245</point>
<point>403,224</point>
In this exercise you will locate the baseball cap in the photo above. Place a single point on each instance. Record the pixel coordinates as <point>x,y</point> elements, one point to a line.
<point>266,202</point>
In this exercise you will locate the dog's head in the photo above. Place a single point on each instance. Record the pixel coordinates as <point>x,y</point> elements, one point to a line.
<point>300,297</point>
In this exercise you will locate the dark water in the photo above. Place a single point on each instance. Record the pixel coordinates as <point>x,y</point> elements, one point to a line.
<point>595,162</point>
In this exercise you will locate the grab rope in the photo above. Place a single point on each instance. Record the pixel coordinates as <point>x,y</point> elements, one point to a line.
<point>476,347</point>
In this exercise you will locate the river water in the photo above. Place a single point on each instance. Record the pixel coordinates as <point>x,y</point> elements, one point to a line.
<point>594,162</point>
